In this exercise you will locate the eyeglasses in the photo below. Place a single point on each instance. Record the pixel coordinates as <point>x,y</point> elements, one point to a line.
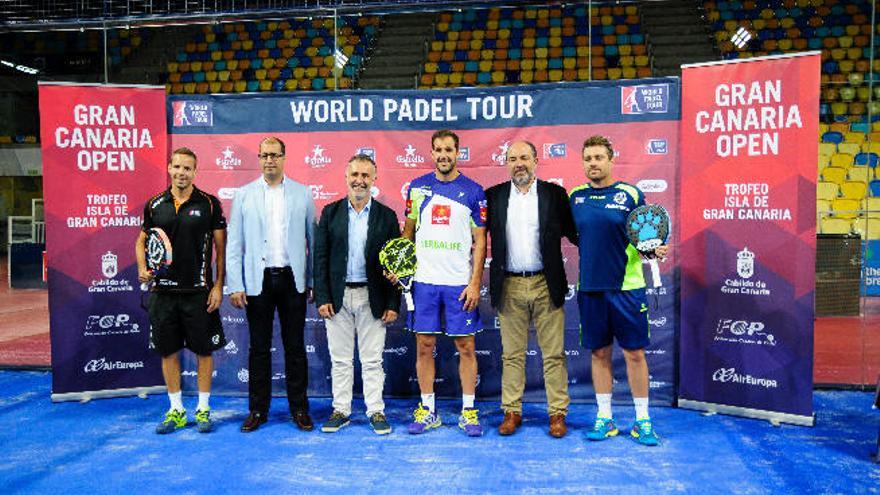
<point>270,156</point>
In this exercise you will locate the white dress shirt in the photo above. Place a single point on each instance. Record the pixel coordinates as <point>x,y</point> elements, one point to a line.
<point>276,225</point>
<point>523,240</point>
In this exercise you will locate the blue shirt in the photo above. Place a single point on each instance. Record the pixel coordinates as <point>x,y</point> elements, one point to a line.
<point>607,259</point>
<point>356,269</point>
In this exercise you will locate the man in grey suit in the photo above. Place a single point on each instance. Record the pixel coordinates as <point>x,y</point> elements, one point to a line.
<point>269,259</point>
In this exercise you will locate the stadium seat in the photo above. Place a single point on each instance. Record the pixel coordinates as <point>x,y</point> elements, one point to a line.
<point>845,208</point>
<point>834,226</point>
<point>830,190</point>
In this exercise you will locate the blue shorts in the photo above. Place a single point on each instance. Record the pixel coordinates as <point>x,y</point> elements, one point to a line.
<point>618,314</point>
<point>436,303</point>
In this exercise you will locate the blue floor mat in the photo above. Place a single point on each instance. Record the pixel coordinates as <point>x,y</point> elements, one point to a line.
<point>108,446</point>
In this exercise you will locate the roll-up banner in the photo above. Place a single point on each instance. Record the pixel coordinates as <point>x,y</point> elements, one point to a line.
<point>748,236</point>
<point>104,155</point>
<point>323,130</point>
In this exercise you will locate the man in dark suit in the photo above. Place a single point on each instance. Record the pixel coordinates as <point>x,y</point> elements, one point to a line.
<point>526,221</point>
<point>352,294</point>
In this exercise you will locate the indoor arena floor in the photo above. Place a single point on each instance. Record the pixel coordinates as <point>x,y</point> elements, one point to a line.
<point>108,446</point>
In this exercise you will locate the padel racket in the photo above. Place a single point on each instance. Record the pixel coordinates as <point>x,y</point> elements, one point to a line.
<point>648,228</point>
<point>398,256</point>
<point>157,250</point>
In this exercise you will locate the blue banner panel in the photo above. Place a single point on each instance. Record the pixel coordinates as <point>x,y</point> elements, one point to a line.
<point>323,130</point>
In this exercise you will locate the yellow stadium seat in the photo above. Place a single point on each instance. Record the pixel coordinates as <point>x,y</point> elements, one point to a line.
<point>834,226</point>
<point>195,66</point>
<point>614,73</point>
<point>860,174</point>
<point>823,207</point>
<point>846,208</point>
<point>827,148</point>
<point>871,147</point>
<point>827,190</point>
<point>853,189</point>
<point>214,87</point>
<point>842,160</point>
<point>834,174</point>
<point>849,149</point>
<point>189,88</point>
<point>871,205</point>
<point>854,137</point>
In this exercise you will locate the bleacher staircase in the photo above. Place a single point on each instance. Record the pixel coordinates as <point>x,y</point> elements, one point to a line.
<point>398,54</point>
<point>678,34</point>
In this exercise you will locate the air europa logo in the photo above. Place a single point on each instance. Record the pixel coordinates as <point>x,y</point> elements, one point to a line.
<point>102,364</point>
<point>729,375</point>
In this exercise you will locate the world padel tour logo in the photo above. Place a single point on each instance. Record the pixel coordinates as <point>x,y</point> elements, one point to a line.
<point>554,150</point>
<point>370,152</point>
<point>657,147</point>
<point>228,160</point>
<point>411,157</point>
<point>645,98</point>
<point>192,113</point>
<point>317,158</point>
<point>464,155</point>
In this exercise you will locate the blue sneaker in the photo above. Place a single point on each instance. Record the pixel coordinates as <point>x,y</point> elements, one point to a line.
<point>423,420</point>
<point>470,422</point>
<point>174,420</point>
<point>603,428</point>
<point>643,432</point>
<point>203,421</point>
<point>336,422</point>
<point>380,424</point>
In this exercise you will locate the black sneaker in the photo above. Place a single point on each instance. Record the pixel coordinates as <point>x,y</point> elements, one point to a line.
<point>337,420</point>
<point>380,424</point>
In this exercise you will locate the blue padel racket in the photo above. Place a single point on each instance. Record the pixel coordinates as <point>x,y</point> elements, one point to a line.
<point>398,256</point>
<point>648,228</point>
<point>157,250</point>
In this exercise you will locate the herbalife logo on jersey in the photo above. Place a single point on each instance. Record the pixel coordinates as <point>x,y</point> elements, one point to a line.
<point>317,158</point>
<point>227,160</point>
<point>411,157</point>
<point>440,214</point>
<point>645,98</point>
<point>501,157</point>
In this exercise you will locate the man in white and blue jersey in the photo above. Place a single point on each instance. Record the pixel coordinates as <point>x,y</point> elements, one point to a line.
<point>446,218</point>
<point>611,290</point>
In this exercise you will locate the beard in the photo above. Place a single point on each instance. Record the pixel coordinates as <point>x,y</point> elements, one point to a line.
<point>523,178</point>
